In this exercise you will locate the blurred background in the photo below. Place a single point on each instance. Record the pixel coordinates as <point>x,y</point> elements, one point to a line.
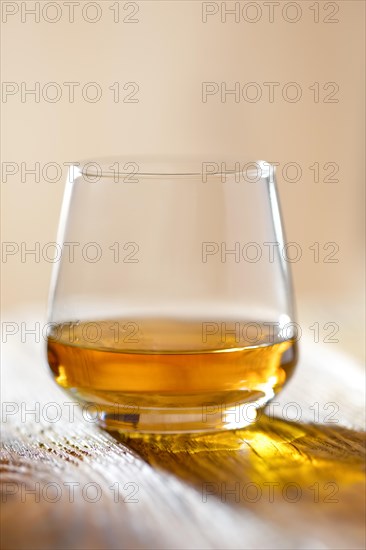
<point>126,78</point>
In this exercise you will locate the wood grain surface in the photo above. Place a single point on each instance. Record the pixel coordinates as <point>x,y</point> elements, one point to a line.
<point>295,479</point>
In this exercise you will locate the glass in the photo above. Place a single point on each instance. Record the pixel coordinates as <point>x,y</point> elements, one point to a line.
<point>171,307</point>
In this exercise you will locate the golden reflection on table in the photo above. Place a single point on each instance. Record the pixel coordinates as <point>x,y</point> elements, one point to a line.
<point>285,471</point>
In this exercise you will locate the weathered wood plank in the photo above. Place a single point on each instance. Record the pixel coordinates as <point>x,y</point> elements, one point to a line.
<point>277,484</point>
<point>288,474</point>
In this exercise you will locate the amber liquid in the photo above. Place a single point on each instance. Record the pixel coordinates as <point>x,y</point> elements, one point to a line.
<point>158,365</point>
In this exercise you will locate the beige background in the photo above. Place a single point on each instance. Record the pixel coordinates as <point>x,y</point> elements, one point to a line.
<point>169,53</point>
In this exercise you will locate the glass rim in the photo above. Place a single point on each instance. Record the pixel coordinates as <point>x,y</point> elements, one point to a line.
<point>181,167</point>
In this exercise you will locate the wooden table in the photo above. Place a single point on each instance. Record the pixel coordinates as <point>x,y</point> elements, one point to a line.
<point>296,479</point>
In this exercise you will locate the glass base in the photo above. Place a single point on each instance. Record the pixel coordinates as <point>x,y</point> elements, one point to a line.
<point>207,418</point>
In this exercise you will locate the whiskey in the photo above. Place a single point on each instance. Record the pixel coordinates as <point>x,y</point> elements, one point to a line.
<point>152,374</point>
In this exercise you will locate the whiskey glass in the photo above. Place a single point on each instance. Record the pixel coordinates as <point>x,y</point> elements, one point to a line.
<point>171,304</point>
